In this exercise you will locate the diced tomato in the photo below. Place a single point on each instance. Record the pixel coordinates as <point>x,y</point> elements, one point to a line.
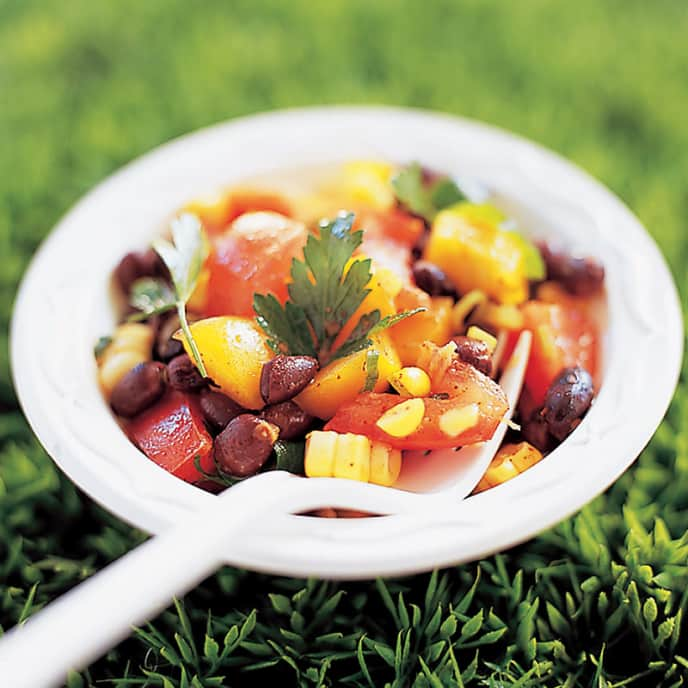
<point>393,224</point>
<point>389,237</point>
<point>217,212</point>
<point>563,336</point>
<point>249,201</point>
<point>171,433</point>
<point>389,254</point>
<point>253,256</point>
<point>463,385</point>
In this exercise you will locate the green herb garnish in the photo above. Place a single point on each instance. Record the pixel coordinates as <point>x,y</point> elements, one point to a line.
<point>290,456</point>
<point>151,297</point>
<point>101,345</point>
<point>371,370</point>
<point>423,199</point>
<point>323,296</point>
<point>184,259</point>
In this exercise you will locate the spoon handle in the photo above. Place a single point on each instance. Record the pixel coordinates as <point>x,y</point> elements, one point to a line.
<point>81,625</point>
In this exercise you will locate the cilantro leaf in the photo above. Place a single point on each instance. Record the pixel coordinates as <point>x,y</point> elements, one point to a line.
<point>422,199</point>
<point>184,259</point>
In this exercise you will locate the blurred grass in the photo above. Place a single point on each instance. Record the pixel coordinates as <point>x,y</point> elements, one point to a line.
<point>86,86</point>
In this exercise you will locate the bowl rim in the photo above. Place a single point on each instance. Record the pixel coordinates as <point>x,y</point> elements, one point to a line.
<point>645,334</point>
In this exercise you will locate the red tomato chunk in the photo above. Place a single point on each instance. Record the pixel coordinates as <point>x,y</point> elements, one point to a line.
<point>171,433</point>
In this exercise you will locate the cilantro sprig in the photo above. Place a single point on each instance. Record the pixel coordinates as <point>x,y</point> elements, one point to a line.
<point>184,259</point>
<point>423,199</point>
<point>325,291</point>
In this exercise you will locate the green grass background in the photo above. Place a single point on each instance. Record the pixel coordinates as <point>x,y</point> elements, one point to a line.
<point>87,85</point>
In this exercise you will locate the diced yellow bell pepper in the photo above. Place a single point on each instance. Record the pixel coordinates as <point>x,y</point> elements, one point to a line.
<point>476,254</point>
<point>343,379</point>
<point>368,182</point>
<point>233,350</point>
<point>354,457</point>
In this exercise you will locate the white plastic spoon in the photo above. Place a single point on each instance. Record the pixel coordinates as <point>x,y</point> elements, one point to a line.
<point>87,621</point>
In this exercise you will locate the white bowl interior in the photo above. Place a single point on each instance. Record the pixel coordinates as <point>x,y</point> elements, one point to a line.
<point>64,300</point>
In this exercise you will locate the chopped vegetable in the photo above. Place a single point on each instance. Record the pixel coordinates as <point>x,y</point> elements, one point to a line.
<point>254,254</point>
<point>233,351</point>
<point>344,378</point>
<point>460,386</point>
<point>477,254</point>
<point>171,433</point>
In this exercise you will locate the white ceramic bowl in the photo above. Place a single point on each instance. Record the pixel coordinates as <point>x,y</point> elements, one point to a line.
<point>64,306</point>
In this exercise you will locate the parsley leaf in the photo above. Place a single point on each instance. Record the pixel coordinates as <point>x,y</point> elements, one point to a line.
<point>184,259</point>
<point>422,199</point>
<point>290,456</point>
<point>325,291</point>
<point>150,296</point>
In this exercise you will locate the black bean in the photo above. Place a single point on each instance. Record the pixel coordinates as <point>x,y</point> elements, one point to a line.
<point>245,445</point>
<point>136,265</point>
<point>127,272</point>
<point>580,276</point>
<point>166,347</point>
<point>475,353</point>
<point>218,409</point>
<point>184,375</point>
<point>567,400</point>
<point>284,377</point>
<point>534,430</point>
<point>140,388</point>
<point>290,418</point>
<point>432,279</point>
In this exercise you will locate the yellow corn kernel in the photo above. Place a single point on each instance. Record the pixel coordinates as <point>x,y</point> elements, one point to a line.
<point>368,182</point>
<point>385,464</point>
<point>321,449</point>
<point>499,317</point>
<point>499,473</point>
<point>131,337</point>
<point>115,366</point>
<point>455,421</point>
<point>463,307</point>
<point>403,419</point>
<point>411,382</point>
<point>352,457</point>
<point>478,333</point>
<point>523,455</point>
